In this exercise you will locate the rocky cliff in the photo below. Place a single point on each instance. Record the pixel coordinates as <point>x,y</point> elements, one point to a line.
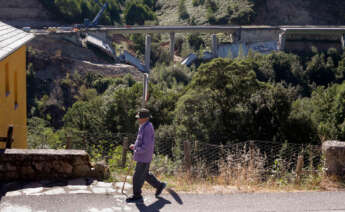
<point>22,13</point>
<point>300,12</point>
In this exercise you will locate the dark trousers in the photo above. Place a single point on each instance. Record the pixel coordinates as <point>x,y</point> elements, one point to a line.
<point>140,175</point>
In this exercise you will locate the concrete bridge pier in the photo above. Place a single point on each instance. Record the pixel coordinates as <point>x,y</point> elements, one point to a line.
<point>281,41</point>
<point>172,46</point>
<point>147,52</point>
<point>214,45</point>
<point>342,39</point>
<point>147,66</point>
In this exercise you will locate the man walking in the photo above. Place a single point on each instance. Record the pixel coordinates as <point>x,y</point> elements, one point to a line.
<point>143,151</point>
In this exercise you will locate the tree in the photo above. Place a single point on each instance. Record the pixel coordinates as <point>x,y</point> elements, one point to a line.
<point>182,10</point>
<point>88,117</point>
<point>195,41</point>
<point>320,71</point>
<point>40,135</point>
<point>215,107</point>
<point>271,108</point>
<point>69,9</point>
<point>137,13</point>
<point>230,82</point>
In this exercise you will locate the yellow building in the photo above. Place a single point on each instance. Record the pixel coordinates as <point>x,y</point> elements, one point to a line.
<point>13,83</point>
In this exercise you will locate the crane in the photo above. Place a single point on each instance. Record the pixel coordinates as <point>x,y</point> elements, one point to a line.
<point>99,14</point>
<point>95,20</point>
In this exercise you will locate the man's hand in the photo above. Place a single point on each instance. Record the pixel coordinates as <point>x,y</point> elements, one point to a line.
<point>131,147</point>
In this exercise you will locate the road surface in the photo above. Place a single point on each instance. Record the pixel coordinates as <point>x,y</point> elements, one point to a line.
<point>244,202</point>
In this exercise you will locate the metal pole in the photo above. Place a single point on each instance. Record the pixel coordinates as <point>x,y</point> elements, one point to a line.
<point>172,46</point>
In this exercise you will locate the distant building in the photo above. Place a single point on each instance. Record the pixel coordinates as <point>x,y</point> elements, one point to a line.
<point>13,83</point>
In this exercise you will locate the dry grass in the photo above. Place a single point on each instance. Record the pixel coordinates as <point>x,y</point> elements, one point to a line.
<point>332,183</point>
<point>185,183</point>
<point>244,169</point>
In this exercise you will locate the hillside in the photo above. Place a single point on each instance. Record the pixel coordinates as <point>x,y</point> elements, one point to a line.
<point>301,12</point>
<point>219,12</point>
<point>25,13</point>
<point>265,12</point>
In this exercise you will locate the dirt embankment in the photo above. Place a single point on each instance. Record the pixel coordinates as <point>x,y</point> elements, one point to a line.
<point>56,61</point>
<point>54,57</point>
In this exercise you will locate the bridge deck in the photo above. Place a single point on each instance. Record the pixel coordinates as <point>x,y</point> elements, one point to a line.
<point>204,29</point>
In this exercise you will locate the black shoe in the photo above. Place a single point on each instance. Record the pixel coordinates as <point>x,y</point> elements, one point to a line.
<point>159,190</point>
<point>134,199</point>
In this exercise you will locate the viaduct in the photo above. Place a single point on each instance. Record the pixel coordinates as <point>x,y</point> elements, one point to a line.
<point>287,38</point>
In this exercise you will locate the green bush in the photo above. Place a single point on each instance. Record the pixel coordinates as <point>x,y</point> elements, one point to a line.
<point>241,13</point>
<point>171,76</point>
<point>198,2</point>
<point>40,136</point>
<point>195,41</point>
<point>211,6</point>
<point>75,11</point>
<point>150,3</point>
<point>163,165</point>
<point>179,44</point>
<point>137,13</point>
<point>321,69</point>
<point>182,10</point>
<point>138,43</point>
<point>328,111</point>
<point>159,55</point>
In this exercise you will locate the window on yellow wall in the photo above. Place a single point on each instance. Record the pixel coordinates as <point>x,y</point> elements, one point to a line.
<point>7,80</point>
<point>15,90</point>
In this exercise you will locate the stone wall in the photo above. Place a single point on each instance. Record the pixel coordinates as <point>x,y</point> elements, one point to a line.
<point>27,164</point>
<point>334,153</point>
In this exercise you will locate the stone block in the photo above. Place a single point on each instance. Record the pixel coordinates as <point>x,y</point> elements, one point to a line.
<point>10,167</point>
<point>334,153</point>
<point>38,166</point>
<point>82,171</point>
<point>47,166</point>
<point>2,168</point>
<point>11,176</point>
<point>100,171</point>
<point>27,171</point>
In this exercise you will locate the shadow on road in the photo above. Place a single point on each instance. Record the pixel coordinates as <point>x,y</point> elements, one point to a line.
<point>9,186</point>
<point>160,203</point>
<point>175,196</point>
<point>154,207</point>
<point>19,185</point>
<point>2,191</point>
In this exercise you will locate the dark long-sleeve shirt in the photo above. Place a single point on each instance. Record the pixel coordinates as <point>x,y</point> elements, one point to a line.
<point>144,145</point>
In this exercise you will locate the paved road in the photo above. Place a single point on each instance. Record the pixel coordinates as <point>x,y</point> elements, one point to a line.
<point>258,202</point>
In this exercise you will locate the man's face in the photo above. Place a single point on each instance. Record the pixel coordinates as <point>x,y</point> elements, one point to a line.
<point>142,121</point>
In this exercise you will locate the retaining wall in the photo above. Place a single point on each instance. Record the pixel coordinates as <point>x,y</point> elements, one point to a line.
<point>27,164</point>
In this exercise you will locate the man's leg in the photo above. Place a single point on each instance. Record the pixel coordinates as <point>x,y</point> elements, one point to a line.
<point>140,173</point>
<point>152,180</point>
